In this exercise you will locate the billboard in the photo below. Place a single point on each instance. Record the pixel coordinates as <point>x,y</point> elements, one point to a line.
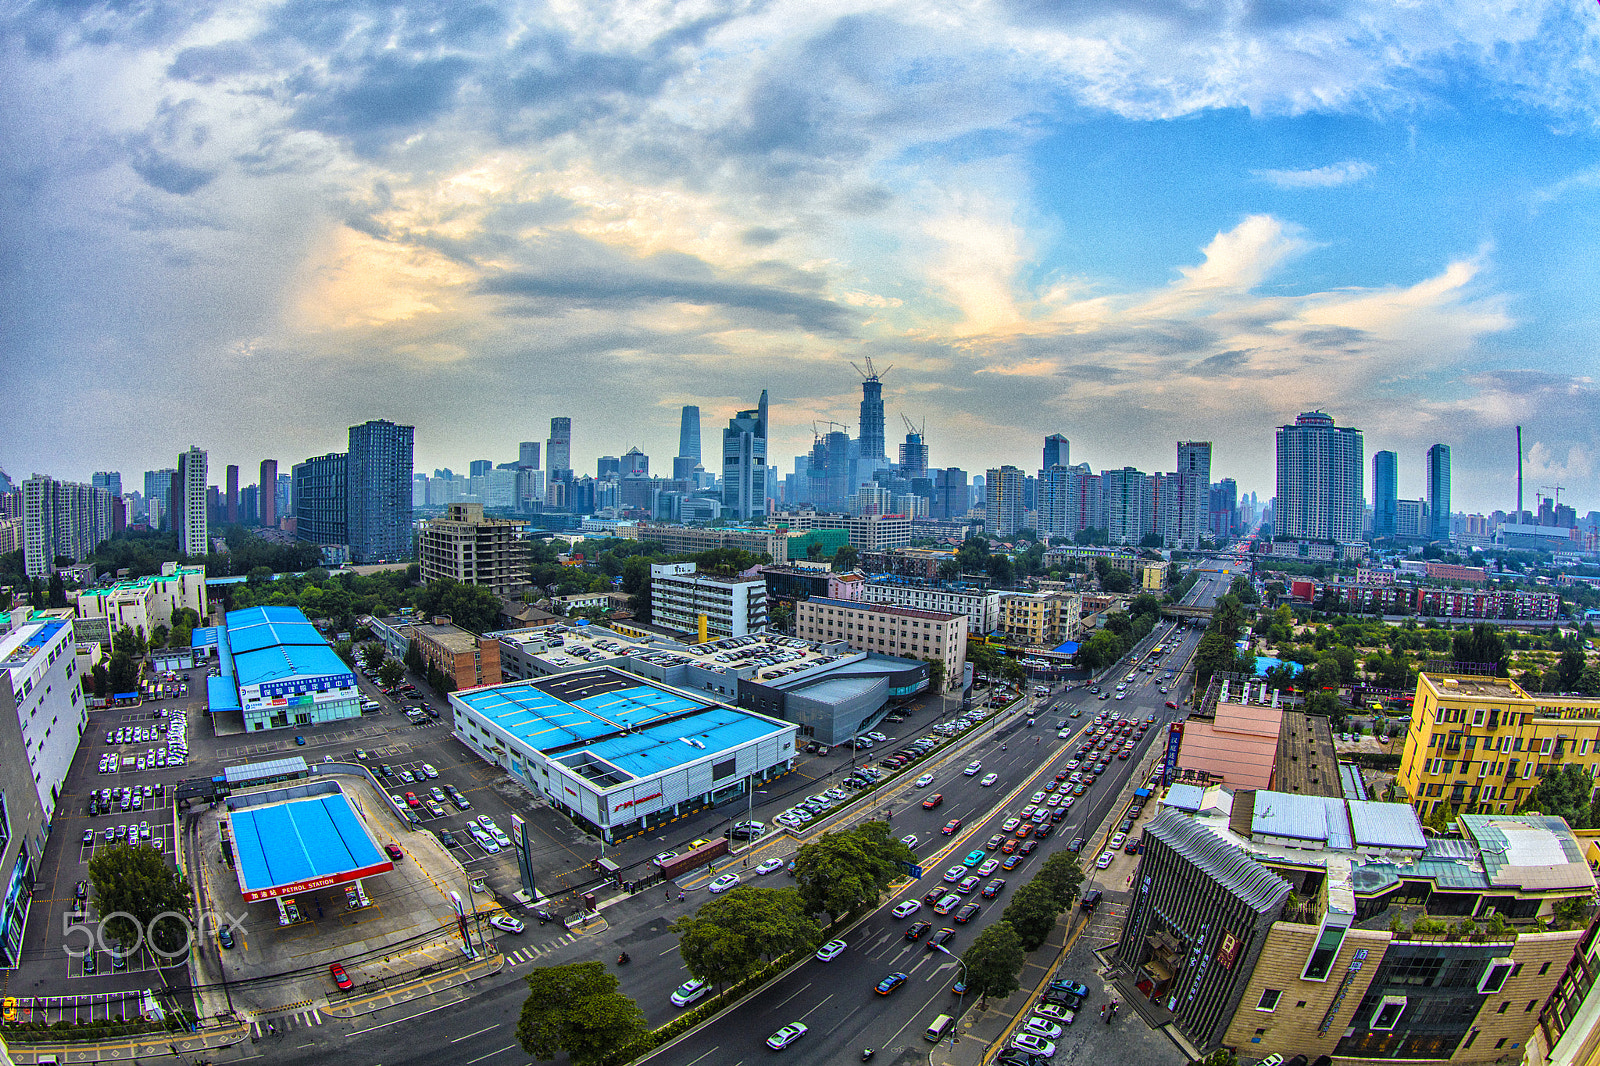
<point>1174,741</point>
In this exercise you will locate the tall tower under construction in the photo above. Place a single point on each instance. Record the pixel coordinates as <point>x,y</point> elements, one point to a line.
<point>872,442</point>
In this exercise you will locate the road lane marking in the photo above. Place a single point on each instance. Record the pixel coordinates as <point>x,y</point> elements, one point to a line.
<point>814,1006</point>
<point>796,992</point>
<point>397,1021</point>
<point>711,1052</point>
<point>469,1036</point>
<point>491,1054</point>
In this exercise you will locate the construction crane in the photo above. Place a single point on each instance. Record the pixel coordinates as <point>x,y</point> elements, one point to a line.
<point>912,427</point>
<point>817,422</point>
<point>871,373</point>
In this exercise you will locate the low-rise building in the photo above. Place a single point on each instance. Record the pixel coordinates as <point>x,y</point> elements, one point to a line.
<point>921,564</point>
<point>465,658</point>
<point>278,672</point>
<point>464,545</point>
<point>980,606</point>
<point>758,540</point>
<point>685,601</point>
<point>1039,619</point>
<point>141,604</point>
<point>898,631</point>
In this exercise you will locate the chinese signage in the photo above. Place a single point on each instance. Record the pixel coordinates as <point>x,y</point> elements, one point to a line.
<point>1228,951</point>
<point>298,685</point>
<point>1344,986</point>
<point>1174,742</point>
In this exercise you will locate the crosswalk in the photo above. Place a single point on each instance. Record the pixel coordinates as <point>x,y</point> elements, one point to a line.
<point>528,954</point>
<point>282,1023</point>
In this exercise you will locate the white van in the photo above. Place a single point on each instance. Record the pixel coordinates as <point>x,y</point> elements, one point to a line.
<point>940,1026</point>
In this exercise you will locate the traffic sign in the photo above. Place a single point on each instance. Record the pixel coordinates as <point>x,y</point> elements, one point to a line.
<point>913,869</point>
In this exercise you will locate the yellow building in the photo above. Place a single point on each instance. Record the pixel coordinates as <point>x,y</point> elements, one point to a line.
<point>1039,618</point>
<point>1479,744</point>
<point>1154,577</point>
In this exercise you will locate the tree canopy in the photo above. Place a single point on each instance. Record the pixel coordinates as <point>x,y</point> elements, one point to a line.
<point>843,869</point>
<point>727,939</point>
<point>993,961</point>
<point>578,1009</point>
<point>139,881</point>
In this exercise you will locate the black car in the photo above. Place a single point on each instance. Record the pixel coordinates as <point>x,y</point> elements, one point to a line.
<point>942,937</point>
<point>966,914</point>
<point>915,930</point>
<point>386,770</point>
<point>1127,824</point>
<point>447,838</point>
<point>1062,999</point>
<point>1091,899</point>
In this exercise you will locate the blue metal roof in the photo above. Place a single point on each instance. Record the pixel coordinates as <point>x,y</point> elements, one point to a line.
<point>203,637</point>
<point>1386,825</point>
<point>300,840</point>
<point>1297,817</point>
<point>695,729</point>
<point>268,644</point>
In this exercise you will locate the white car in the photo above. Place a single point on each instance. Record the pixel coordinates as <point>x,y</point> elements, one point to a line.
<point>1043,1027</point>
<point>428,769</point>
<point>771,866</point>
<point>925,780</point>
<point>831,950</point>
<point>972,768</point>
<point>786,1036</point>
<point>875,735</point>
<point>909,840</point>
<point>908,908</point>
<point>1033,1045</point>
<point>989,779</point>
<point>1104,860</point>
<point>664,857</point>
<point>723,883</point>
<point>688,992</point>
<point>506,923</point>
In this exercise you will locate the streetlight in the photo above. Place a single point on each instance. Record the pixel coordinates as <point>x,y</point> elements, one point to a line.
<point>961,997</point>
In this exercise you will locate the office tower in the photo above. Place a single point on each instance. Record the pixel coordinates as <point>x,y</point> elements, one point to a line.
<point>195,539</point>
<point>479,467</point>
<point>1224,508</point>
<point>158,490</point>
<point>61,519</point>
<point>951,497</point>
<point>1057,451</point>
<point>608,468</point>
<point>267,501</point>
<point>1129,500</point>
<point>872,431</point>
<point>558,449</point>
<point>233,494</point>
<point>378,480</point>
<point>528,454</point>
<point>1385,494</point>
<point>110,480</point>
<point>321,499</point>
<point>744,463</point>
<point>1320,490</point>
<point>684,466</point>
<point>1438,462</point>
<point>285,495</point>
<point>913,454</point>
<point>635,464</point>
<point>689,433</point>
<point>1003,510</point>
<point>1192,505</point>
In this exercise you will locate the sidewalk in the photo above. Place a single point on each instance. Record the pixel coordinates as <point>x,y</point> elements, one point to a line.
<point>186,1047</point>
<point>461,975</point>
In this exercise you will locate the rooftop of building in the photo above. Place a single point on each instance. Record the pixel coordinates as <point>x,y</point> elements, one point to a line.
<point>888,609</point>
<point>23,643</point>
<point>1305,762</point>
<point>711,579</point>
<point>446,634</point>
<point>266,644</point>
<point>299,839</point>
<point>628,726</point>
<point>1473,685</point>
<point>140,585</point>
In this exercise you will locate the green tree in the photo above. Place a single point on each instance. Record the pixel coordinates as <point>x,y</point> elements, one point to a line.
<point>390,673</point>
<point>841,870</point>
<point>1564,791</point>
<point>578,1009</point>
<point>1000,568</point>
<point>123,674</point>
<point>726,940</point>
<point>845,559</point>
<point>993,962</point>
<point>471,607</point>
<point>181,637</point>
<point>414,661</point>
<point>1063,875</point>
<point>1101,649</point>
<point>125,639</point>
<point>1441,818</point>
<point>1116,582</point>
<point>139,881</point>
<point>102,680</point>
<point>346,651</point>
<point>372,655</point>
<point>58,590</point>
<point>935,675</point>
<point>1569,668</point>
<point>1481,644</point>
<point>1032,913</point>
<point>1220,1057</point>
<point>1571,913</point>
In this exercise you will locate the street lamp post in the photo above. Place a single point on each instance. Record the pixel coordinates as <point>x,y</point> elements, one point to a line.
<point>961,997</point>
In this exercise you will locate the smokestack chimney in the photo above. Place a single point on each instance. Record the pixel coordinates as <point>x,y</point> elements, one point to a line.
<point>1519,474</point>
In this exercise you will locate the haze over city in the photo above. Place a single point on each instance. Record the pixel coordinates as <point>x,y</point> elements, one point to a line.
<point>252,225</point>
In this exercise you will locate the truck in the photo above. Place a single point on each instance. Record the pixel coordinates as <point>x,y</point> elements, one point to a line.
<point>694,858</point>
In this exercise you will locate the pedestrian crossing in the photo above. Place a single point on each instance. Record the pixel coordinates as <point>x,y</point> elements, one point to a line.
<point>528,954</point>
<point>282,1023</point>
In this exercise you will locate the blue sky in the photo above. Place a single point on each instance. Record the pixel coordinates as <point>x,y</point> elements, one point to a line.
<point>249,225</point>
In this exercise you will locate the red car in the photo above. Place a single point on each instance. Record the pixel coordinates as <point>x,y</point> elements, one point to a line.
<point>933,801</point>
<point>951,826</point>
<point>340,978</point>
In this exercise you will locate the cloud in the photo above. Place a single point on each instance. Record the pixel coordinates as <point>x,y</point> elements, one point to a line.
<point>1345,173</point>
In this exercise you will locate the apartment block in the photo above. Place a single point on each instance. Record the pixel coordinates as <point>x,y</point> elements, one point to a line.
<point>980,606</point>
<point>757,540</point>
<point>1039,618</point>
<point>61,518</point>
<point>731,606</point>
<point>901,631</point>
<point>39,656</point>
<point>466,658</point>
<point>464,545</point>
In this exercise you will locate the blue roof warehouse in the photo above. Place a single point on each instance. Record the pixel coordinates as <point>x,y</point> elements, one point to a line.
<point>278,671</point>
<point>620,752</point>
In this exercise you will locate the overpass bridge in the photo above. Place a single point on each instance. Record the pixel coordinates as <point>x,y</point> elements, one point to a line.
<point>1185,610</point>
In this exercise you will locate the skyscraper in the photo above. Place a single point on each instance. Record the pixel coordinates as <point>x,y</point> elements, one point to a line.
<point>872,434</point>
<point>913,456</point>
<point>379,482</point>
<point>267,498</point>
<point>61,518</point>
<point>1003,510</point>
<point>1128,503</point>
<point>479,467</point>
<point>558,449</point>
<point>689,433</point>
<point>1385,494</point>
<point>951,497</point>
<point>528,454</point>
<point>1320,491</point>
<point>233,493</point>
<point>1192,514</point>
<point>158,491</point>
<point>195,539</point>
<point>110,480</point>
<point>1438,461</point>
<point>744,463</point>
<point>321,498</point>
<point>1057,451</point>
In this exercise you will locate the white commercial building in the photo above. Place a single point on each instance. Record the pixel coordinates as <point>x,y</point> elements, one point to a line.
<point>981,606</point>
<point>141,604</point>
<point>731,606</point>
<point>42,661</point>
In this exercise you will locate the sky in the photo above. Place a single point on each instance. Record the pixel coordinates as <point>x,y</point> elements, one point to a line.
<point>250,225</point>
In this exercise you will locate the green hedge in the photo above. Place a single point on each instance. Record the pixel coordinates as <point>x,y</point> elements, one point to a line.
<point>1370,760</point>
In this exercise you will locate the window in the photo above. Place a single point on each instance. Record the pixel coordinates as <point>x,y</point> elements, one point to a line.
<point>1494,975</point>
<point>1532,1003</point>
<point>1498,1044</point>
<point>1544,746</point>
<point>1470,1038</point>
<point>1542,970</point>
<point>1269,999</point>
<point>1503,1005</point>
<point>1478,715</point>
<point>1387,1016</point>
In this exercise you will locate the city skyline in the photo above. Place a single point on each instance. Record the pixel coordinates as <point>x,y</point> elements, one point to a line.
<point>1094,223</point>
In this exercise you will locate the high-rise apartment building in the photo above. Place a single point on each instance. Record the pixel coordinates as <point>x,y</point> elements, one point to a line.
<point>1003,509</point>
<point>558,449</point>
<point>195,538</point>
<point>1057,452</point>
<point>1128,503</point>
<point>1385,493</point>
<point>379,481</point>
<point>110,480</point>
<point>233,494</point>
<point>61,518</point>
<point>320,499</point>
<point>474,550</point>
<point>744,463</point>
<point>158,490</point>
<point>1192,506</point>
<point>1438,462</point>
<point>1320,490</point>
<point>689,433</point>
<point>267,496</point>
<point>1224,508</point>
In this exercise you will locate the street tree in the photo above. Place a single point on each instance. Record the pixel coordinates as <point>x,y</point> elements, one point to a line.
<point>577,1009</point>
<point>844,869</point>
<point>993,962</point>
<point>372,655</point>
<point>391,672</point>
<point>346,650</point>
<point>1063,874</point>
<point>414,660</point>
<point>1032,913</point>
<point>726,940</point>
<point>138,881</point>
